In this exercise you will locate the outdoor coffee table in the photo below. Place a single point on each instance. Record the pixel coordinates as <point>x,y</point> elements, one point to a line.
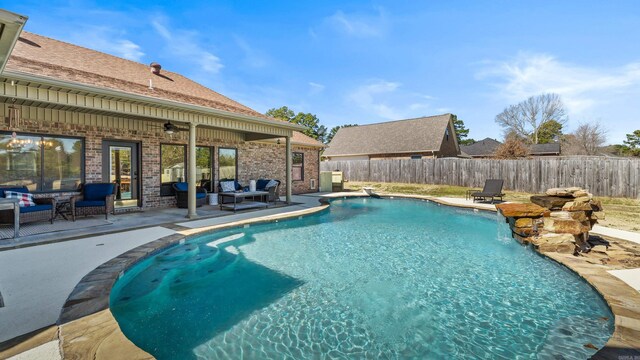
<point>262,195</point>
<point>12,204</point>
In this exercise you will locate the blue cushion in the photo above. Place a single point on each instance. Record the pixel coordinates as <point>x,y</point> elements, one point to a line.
<point>20,189</point>
<point>28,209</point>
<point>261,183</point>
<point>87,203</point>
<point>238,186</point>
<point>182,186</point>
<point>200,195</point>
<point>97,191</point>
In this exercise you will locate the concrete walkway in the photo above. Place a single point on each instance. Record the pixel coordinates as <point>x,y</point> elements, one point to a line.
<point>35,281</point>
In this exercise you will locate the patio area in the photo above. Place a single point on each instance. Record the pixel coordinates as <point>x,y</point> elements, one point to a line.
<point>61,230</point>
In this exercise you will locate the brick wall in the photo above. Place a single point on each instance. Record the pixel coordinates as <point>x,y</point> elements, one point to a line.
<point>255,159</point>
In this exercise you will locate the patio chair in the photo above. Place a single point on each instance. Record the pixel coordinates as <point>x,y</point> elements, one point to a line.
<point>182,195</point>
<point>492,189</point>
<point>44,210</point>
<point>274,194</point>
<point>95,199</point>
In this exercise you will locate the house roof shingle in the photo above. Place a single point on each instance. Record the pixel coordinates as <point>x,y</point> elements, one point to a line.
<point>39,55</point>
<point>401,136</point>
<point>487,147</point>
<point>484,147</point>
<point>545,149</point>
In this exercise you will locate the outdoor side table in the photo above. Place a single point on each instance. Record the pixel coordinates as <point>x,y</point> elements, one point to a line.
<point>12,204</point>
<point>63,208</point>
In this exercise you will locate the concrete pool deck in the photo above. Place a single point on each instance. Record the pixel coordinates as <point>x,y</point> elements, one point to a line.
<point>98,335</point>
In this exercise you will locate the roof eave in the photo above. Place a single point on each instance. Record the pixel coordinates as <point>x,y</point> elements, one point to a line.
<point>21,76</point>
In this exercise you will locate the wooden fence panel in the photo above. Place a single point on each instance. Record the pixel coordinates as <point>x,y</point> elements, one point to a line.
<point>618,177</point>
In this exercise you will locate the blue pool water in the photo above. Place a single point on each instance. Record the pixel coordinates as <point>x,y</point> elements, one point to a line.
<point>369,278</point>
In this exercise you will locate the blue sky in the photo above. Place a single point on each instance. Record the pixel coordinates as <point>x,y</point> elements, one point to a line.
<point>363,62</point>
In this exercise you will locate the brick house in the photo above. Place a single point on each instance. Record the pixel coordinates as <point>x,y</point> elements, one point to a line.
<point>430,136</point>
<point>72,115</point>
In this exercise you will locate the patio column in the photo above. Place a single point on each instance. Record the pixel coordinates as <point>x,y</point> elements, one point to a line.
<point>191,214</point>
<point>289,164</point>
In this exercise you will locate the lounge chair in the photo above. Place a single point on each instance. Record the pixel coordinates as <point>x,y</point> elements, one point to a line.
<point>492,189</point>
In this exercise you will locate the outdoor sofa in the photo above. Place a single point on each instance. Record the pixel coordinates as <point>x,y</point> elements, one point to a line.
<point>182,195</point>
<point>236,186</point>
<point>44,210</point>
<point>261,185</point>
<point>95,199</point>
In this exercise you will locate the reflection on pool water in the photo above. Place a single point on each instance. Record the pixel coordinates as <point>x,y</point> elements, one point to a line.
<point>368,278</point>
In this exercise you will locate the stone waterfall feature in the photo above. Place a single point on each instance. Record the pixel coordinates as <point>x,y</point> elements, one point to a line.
<point>558,221</point>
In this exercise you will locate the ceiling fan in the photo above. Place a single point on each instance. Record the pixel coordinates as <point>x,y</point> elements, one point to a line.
<point>170,128</point>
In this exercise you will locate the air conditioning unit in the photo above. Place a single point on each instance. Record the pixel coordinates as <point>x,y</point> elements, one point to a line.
<point>313,184</point>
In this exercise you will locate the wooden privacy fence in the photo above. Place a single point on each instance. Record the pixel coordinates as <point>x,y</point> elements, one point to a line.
<point>601,176</point>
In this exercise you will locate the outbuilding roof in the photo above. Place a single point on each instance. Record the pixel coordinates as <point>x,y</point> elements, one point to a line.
<point>39,55</point>
<point>401,136</point>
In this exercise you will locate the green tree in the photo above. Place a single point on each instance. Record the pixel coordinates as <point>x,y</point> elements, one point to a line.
<point>311,121</point>
<point>335,129</point>
<point>549,132</point>
<point>633,143</point>
<point>461,132</point>
<point>282,113</point>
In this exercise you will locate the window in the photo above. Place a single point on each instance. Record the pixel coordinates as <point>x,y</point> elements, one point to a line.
<point>41,163</point>
<point>416,157</point>
<point>204,164</point>
<point>172,163</point>
<point>297,169</point>
<point>227,164</point>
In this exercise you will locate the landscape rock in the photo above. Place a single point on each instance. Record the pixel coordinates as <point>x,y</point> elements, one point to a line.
<point>524,223</point>
<point>578,215</point>
<point>599,248</point>
<point>560,215</point>
<point>563,226</point>
<point>581,200</point>
<point>550,202</point>
<point>521,210</point>
<point>572,206</point>
<point>598,215</point>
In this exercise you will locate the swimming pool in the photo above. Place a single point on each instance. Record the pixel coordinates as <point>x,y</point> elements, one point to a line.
<point>368,278</point>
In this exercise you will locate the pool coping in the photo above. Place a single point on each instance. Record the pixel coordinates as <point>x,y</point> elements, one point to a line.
<point>88,329</point>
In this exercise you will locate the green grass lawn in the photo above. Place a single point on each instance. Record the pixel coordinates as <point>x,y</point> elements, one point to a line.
<point>621,213</point>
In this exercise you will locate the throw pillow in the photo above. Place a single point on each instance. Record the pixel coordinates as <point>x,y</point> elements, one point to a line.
<point>24,199</point>
<point>228,186</point>
<point>271,184</point>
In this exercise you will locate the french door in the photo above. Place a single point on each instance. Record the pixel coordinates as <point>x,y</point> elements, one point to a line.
<point>120,164</point>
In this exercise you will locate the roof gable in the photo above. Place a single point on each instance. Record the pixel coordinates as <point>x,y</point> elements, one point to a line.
<point>401,136</point>
<point>484,147</point>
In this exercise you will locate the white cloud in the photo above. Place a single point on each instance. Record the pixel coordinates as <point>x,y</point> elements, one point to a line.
<point>387,100</point>
<point>184,44</point>
<point>315,88</point>
<point>107,40</point>
<point>582,88</point>
<point>358,25</point>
